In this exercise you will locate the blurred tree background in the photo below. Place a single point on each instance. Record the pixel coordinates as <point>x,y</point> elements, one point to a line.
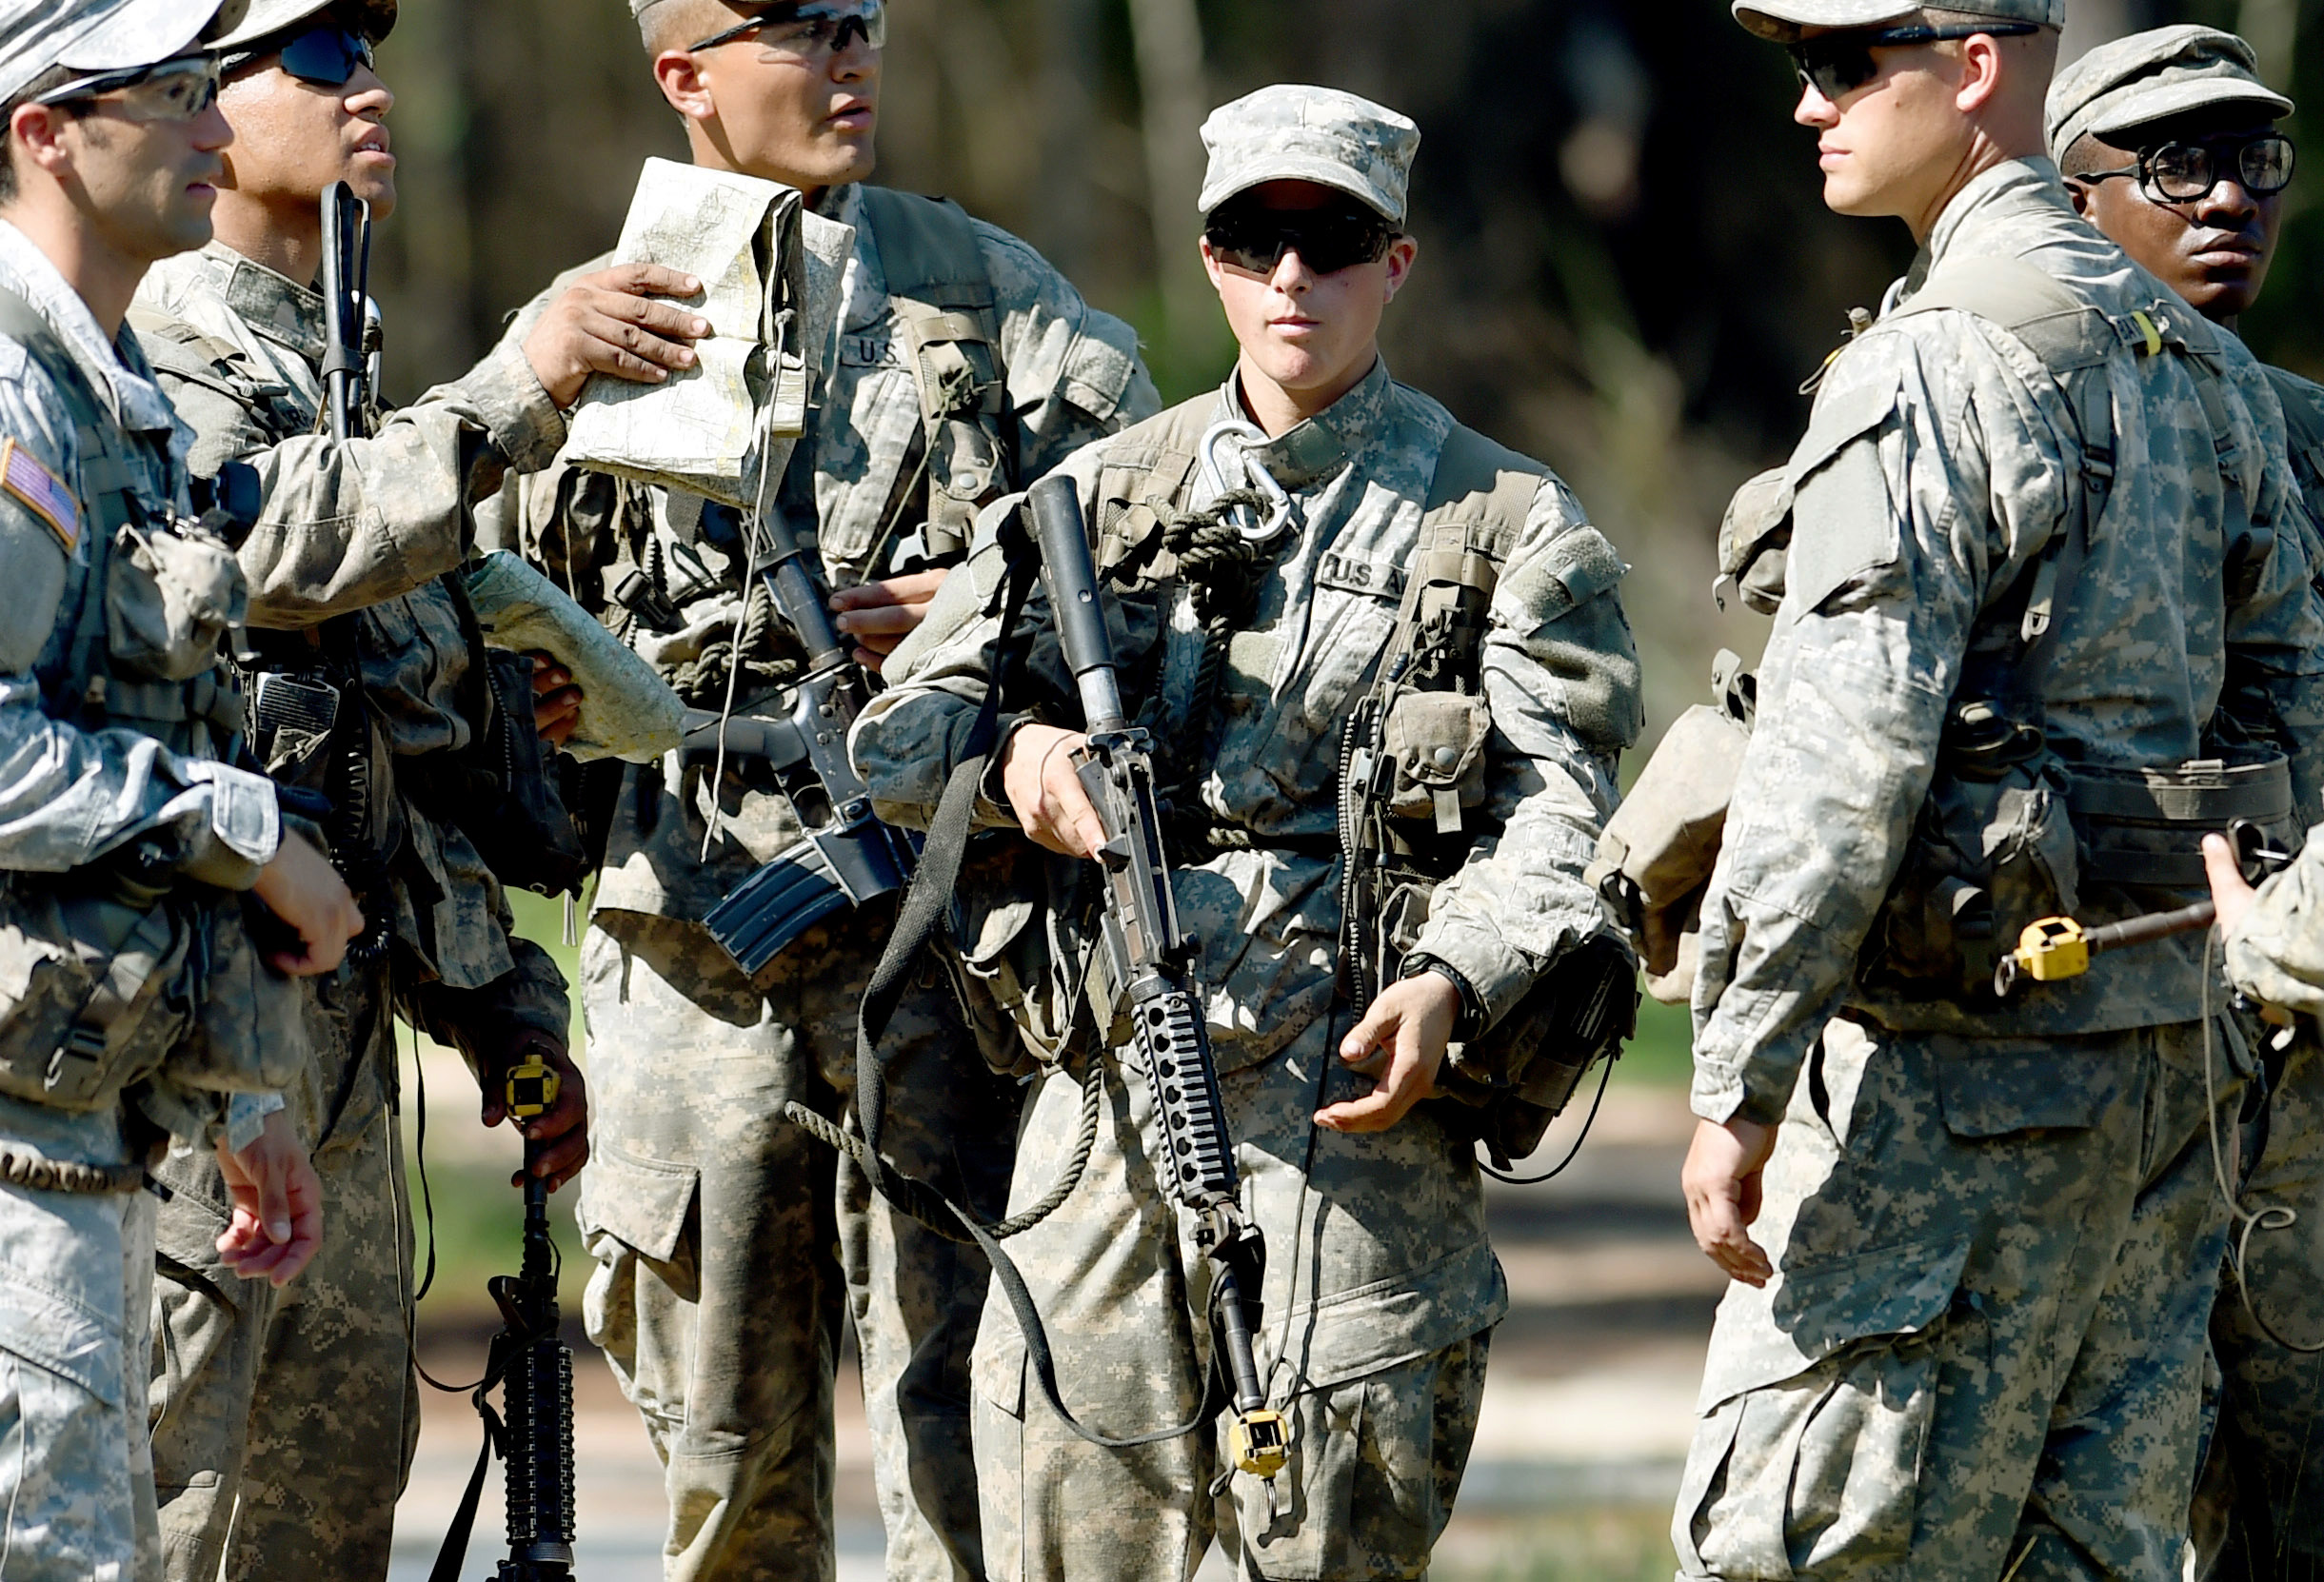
<point>1626,267</point>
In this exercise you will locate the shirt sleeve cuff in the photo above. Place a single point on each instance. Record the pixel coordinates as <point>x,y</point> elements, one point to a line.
<point>246,1118</point>
<point>245,829</point>
<point>516,409</point>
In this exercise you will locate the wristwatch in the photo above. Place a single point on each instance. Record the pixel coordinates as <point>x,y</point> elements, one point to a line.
<point>1471,1021</point>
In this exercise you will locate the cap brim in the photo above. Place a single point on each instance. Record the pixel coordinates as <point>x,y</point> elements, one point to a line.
<point>139,33</point>
<point>1323,172</point>
<point>2184,99</point>
<point>269,17</point>
<point>1784,21</point>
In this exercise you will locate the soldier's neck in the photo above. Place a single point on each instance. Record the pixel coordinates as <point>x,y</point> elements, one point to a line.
<point>104,276</point>
<point>1278,410</point>
<point>290,241</point>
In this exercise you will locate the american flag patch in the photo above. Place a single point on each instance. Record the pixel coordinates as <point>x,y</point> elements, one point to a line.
<point>40,491</point>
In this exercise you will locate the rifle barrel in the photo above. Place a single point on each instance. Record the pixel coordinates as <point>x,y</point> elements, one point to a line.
<point>1072,576</point>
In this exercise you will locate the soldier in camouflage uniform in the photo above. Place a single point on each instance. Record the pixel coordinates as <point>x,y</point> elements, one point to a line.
<point>2138,126</point>
<point>1381,1287</point>
<point>2044,556</point>
<point>138,997</point>
<point>284,1424</point>
<point>727,1241</point>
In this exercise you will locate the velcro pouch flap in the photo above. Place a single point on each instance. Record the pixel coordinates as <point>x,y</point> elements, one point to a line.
<point>640,1202</point>
<point>1828,1303</point>
<point>1437,740</point>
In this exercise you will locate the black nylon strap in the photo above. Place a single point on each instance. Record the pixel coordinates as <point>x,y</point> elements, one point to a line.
<point>926,901</point>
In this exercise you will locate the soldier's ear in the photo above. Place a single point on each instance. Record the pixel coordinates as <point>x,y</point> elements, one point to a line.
<point>1403,252</point>
<point>677,73</point>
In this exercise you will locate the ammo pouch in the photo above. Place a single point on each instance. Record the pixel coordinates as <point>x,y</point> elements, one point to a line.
<point>1505,1089</point>
<point>1022,963</point>
<point>1993,850</point>
<point>83,1010</point>
<point>500,790</point>
<point>1655,854</point>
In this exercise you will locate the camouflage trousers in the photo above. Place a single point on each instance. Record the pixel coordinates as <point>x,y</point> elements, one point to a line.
<point>728,1241</point>
<point>1380,1294</point>
<point>2259,1510</point>
<point>1984,1353</point>
<point>285,1421</point>
<point>76,1480</point>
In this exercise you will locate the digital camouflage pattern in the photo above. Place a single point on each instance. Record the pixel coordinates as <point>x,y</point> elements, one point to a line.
<point>1381,1278</point>
<point>76,1270</point>
<point>285,1421</point>
<point>2150,76</point>
<point>2269,1454</point>
<point>1962,1197</point>
<point>1782,20</point>
<point>1886,591</point>
<point>1290,132</point>
<point>726,1257</point>
<point>1899,1401</point>
<point>691,1067</point>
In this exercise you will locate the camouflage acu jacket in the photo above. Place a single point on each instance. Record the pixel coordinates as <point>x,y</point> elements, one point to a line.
<point>1269,918</point>
<point>1941,457</point>
<point>369,529</point>
<point>1072,375</point>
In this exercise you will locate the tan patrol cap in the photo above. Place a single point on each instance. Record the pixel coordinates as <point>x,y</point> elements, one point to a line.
<point>2153,76</point>
<point>267,17</point>
<point>1292,132</point>
<point>1782,20</point>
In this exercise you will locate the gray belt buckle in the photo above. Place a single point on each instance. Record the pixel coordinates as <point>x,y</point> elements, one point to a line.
<point>280,702</point>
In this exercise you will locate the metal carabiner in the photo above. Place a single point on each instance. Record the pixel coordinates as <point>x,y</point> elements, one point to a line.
<point>1246,521</point>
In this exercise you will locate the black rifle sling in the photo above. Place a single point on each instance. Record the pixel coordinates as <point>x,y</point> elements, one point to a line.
<point>926,901</point>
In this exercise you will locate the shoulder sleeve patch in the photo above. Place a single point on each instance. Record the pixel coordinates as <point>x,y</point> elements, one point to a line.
<point>40,491</point>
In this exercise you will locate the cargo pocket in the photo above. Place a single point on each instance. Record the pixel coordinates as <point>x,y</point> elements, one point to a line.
<point>1790,1470</point>
<point>641,1203</point>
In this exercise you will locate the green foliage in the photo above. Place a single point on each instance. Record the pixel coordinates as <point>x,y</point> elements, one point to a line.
<point>1662,1054</point>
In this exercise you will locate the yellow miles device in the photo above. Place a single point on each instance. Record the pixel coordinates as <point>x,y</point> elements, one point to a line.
<point>1258,1444</point>
<point>2054,949</point>
<point>533,1088</point>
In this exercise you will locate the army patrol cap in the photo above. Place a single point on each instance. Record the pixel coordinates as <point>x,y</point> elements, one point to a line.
<point>2154,76</point>
<point>91,36</point>
<point>267,17</point>
<point>1783,20</point>
<point>1290,132</point>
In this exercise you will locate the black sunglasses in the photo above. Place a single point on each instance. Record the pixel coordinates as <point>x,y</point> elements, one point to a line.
<point>1327,240</point>
<point>2185,172</point>
<point>326,54</point>
<point>1834,64</point>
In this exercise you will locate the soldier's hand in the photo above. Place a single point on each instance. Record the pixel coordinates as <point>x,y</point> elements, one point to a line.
<point>881,615</point>
<point>1722,1183</point>
<point>277,1221</point>
<point>301,887</point>
<point>2230,892</point>
<point>608,322</point>
<point>556,702</point>
<point>557,1140</point>
<point>1047,795</point>
<point>1400,1044</point>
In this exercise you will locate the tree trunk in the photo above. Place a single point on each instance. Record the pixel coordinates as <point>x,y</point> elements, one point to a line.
<point>1173,99</point>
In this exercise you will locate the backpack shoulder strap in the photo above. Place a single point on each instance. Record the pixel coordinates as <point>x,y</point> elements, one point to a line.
<point>945,313</point>
<point>1149,470</point>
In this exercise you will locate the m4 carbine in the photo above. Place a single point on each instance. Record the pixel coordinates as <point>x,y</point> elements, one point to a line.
<point>848,857</point>
<point>1150,957</point>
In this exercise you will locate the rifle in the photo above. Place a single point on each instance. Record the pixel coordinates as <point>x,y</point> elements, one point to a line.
<point>346,299</point>
<point>534,1370</point>
<point>848,857</point>
<point>1150,957</point>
